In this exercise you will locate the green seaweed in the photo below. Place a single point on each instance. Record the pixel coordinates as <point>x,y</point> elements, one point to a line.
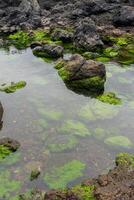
<point>50,114</point>
<point>67,143</point>
<point>4,152</point>
<point>109,98</point>
<point>119,140</point>
<point>11,88</point>
<point>7,184</point>
<point>75,127</point>
<point>59,177</point>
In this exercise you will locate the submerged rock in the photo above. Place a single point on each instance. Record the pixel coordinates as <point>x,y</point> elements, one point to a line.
<point>10,88</point>
<point>48,51</point>
<point>11,144</point>
<point>80,73</point>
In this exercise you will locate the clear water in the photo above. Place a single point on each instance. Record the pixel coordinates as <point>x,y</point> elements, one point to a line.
<point>46,91</point>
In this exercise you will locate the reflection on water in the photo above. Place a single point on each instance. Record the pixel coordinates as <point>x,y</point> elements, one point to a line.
<point>60,130</point>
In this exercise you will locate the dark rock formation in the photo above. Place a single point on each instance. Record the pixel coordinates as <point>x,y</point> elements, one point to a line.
<point>1,115</point>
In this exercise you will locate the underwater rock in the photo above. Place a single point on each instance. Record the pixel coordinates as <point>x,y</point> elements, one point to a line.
<point>10,88</point>
<point>61,143</point>
<point>34,174</point>
<point>11,144</point>
<point>79,73</point>
<point>48,51</point>
<point>119,140</point>
<point>75,128</point>
<point>60,176</point>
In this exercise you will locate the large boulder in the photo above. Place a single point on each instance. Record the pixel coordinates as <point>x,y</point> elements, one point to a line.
<point>79,73</point>
<point>125,16</point>
<point>86,36</point>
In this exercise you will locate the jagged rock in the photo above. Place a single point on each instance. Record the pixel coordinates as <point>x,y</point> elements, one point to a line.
<point>86,36</point>
<point>125,17</point>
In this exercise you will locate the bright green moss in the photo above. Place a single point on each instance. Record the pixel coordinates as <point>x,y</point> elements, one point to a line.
<point>7,184</point>
<point>111,52</point>
<point>83,192</point>
<point>110,98</point>
<point>50,114</point>
<point>64,74</point>
<point>59,64</point>
<point>125,159</point>
<point>10,88</point>
<point>59,177</point>
<point>120,141</point>
<point>103,59</point>
<point>74,127</point>
<point>20,39</point>
<point>93,83</point>
<point>62,144</point>
<point>4,152</point>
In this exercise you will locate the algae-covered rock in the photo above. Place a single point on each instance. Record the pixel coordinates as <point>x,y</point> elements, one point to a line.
<point>7,184</point>
<point>34,174</point>
<point>62,34</point>
<point>75,127</point>
<point>110,98</point>
<point>125,159</point>
<point>12,87</point>
<point>59,177</point>
<point>48,51</point>
<point>98,110</point>
<point>60,143</point>
<point>79,73</point>
<point>120,141</point>
<point>9,143</point>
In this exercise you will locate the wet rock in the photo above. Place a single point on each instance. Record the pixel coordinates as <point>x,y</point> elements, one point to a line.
<point>1,115</point>
<point>81,73</point>
<point>11,144</point>
<point>86,36</point>
<point>49,51</point>
<point>125,17</point>
<point>63,35</point>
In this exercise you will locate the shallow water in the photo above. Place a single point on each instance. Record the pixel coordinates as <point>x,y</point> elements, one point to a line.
<point>38,115</point>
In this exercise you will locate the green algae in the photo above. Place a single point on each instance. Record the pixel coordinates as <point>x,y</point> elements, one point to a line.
<point>75,128</point>
<point>20,39</point>
<point>125,159</point>
<point>50,114</point>
<point>4,152</point>
<point>59,177</point>
<point>43,123</point>
<point>83,192</point>
<point>11,88</point>
<point>7,184</point>
<point>120,141</point>
<point>109,98</point>
<point>103,59</point>
<point>99,133</point>
<point>10,159</point>
<point>111,52</point>
<point>64,143</point>
<point>98,110</point>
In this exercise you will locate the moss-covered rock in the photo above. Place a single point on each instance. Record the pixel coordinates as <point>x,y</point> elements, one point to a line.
<point>80,73</point>
<point>119,141</point>
<point>75,127</point>
<point>83,192</point>
<point>59,177</point>
<point>125,159</point>
<point>10,88</point>
<point>110,98</point>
